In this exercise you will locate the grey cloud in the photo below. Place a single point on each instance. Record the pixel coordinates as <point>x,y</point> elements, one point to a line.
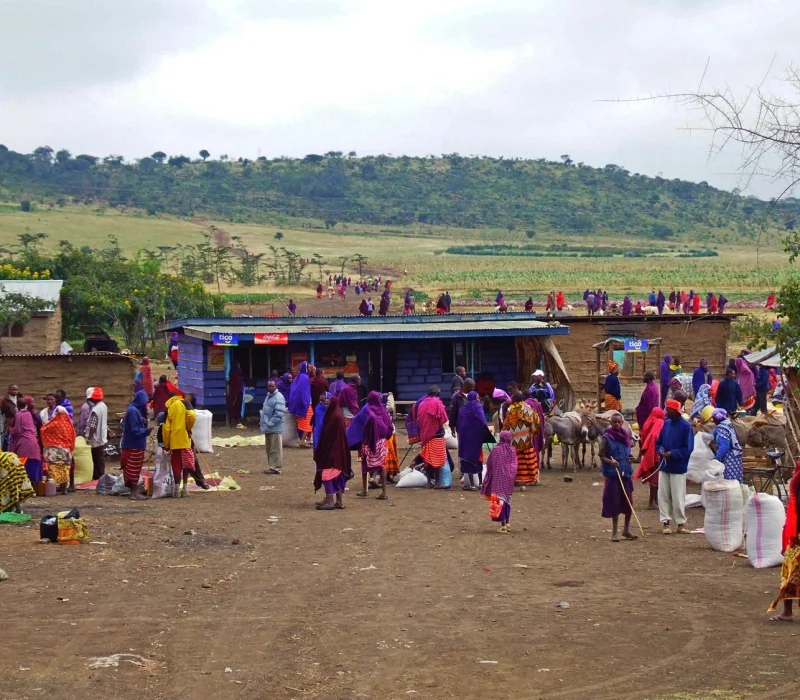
<point>291,9</point>
<point>62,44</point>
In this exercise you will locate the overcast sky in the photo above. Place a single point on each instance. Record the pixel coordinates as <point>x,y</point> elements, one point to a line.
<point>517,78</point>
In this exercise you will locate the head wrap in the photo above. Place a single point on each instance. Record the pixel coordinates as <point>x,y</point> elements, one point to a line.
<point>612,366</point>
<point>719,414</point>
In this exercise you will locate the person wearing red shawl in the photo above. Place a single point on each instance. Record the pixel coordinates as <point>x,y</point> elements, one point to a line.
<point>498,485</point>
<point>713,304</point>
<point>560,301</point>
<point>58,444</point>
<point>648,467</point>
<point>319,386</point>
<point>431,418</point>
<point>348,400</point>
<point>696,304</point>
<point>332,457</point>
<point>770,302</point>
<point>368,432</point>
<point>790,573</point>
<point>235,393</point>
<point>615,458</point>
<point>319,290</point>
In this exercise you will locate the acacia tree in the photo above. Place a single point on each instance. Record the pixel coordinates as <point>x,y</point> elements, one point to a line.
<point>360,260</point>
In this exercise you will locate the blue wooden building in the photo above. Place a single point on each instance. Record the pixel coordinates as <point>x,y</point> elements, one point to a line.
<point>401,354</point>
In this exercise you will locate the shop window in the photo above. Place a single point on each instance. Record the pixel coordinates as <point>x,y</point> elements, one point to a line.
<point>461,353</point>
<point>15,330</point>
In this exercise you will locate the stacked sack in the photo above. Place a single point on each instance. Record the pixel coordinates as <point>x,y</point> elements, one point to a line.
<point>764,517</point>
<point>724,518</point>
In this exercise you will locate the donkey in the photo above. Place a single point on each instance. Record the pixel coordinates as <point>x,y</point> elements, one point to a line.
<point>570,432</point>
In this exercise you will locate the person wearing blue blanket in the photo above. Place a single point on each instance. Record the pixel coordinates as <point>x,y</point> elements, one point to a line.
<point>673,447</point>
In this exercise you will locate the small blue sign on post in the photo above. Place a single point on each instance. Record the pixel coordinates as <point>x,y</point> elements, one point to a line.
<point>225,339</point>
<point>635,345</point>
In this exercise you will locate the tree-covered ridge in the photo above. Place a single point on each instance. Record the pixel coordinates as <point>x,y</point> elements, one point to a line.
<point>531,196</point>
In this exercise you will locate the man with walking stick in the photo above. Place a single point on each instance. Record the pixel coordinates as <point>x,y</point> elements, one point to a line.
<point>615,456</point>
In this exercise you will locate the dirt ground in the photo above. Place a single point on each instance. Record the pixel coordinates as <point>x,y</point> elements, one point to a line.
<point>414,597</point>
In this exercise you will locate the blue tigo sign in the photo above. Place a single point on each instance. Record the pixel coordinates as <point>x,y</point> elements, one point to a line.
<point>635,345</point>
<point>226,339</point>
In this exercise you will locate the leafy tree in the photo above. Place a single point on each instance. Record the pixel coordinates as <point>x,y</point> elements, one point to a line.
<point>178,161</point>
<point>278,236</point>
<point>204,154</point>
<point>159,157</point>
<point>25,205</point>
<point>29,240</point>
<point>330,223</point>
<point>530,233</point>
<point>44,154</point>
<point>113,160</point>
<point>63,156</point>
<point>313,158</point>
<point>360,260</point>
<point>317,260</point>
<point>344,259</point>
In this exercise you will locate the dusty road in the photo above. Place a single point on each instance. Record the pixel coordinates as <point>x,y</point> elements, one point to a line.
<point>400,599</point>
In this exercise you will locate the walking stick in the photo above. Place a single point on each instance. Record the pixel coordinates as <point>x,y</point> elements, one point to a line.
<point>625,493</point>
<point>405,455</point>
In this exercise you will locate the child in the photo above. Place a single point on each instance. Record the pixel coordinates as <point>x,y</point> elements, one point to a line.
<point>501,470</point>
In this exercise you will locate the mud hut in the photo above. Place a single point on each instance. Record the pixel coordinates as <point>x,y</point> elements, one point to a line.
<point>37,375</point>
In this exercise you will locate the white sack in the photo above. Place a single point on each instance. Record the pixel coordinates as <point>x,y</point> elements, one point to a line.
<point>724,519</point>
<point>201,433</point>
<point>414,480</point>
<point>700,458</point>
<point>764,517</point>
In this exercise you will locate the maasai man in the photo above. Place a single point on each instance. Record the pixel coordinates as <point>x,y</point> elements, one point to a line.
<point>673,446</point>
<point>661,302</point>
<point>747,382</point>
<point>472,433</point>
<point>319,290</point>
<point>96,433</point>
<point>348,399</point>
<point>762,389</point>
<point>612,388</point>
<point>701,375</point>
<point>407,302</point>
<point>431,418</point>
<point>457,400</point>
<point>383,307</point>
<point>363,308</point>
<point>299,404</point>
<point>560,301</point>
<point>317,419</point>
<point>337,384</point>
<point>551,302</point>
<point>615,457</point>
<point>62,400</point>
<point>235,393</point>
<point>696,304</point>
<point>729,451</point>
<point>542,391</point>
<point>713,304</point>
<point>319,386</point>
<point>498,486</point>
<point>648,467</point>
<point>176,435</point>
<point>332,457</point>
<point>523,423</point>
<point>649,399</point>
<point>529,304</point>
<point>499,300</point>
<point>292,307</point>
<point>369,431</point>
<point>790,573</point>
<point>665,377</point>
<point>25,441</point>
<point>729,393</point>
<point>722,302</point>
<point>672,297</point>
<point>134,443</point>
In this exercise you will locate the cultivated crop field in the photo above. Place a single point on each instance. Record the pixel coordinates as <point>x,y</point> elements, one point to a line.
<point>737,271</point>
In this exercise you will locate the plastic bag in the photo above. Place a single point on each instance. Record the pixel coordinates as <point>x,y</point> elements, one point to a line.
<point>163,479</point>
<point>105,483</point>
<point>764,517</point>
<point>84,467</point>
<point>495,507</point>
<point>414,480</point>
<point>450,441</point>
<point>201,432</point>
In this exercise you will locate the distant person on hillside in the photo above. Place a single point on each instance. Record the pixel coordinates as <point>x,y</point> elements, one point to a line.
<point>383,307</point>
<point>672,297</point>
<point>661,302</point>
<point>590,303</point>
<point>448,301</point>
<point>529,304</point>
<point>722,302</point>
<point>627,306</point>
<point>696,304</point>
<point>651,298</point>
<point>363,307</point>
<point>319,290</point>
<point>770,302</point>
<point>713,304</point>
<point>370,306</point>
<point>441,305</point>
<point>560,301</point>
<point>551,302</point>
<point>292,307</point>
<point>499,298</point>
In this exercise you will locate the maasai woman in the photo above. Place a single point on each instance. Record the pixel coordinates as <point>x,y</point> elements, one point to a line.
<point>25,440</point>
<point>147,376</point>
<point>627,306</point>
<point>790,573</point>
<point>498,486</point>
<point>319,290</point>
<point>696,304</point>
<point>299,404</point>
<point>702,400</point>
<point>729,451</point>
<point>713,304</point>
<point>648,467</point>
<point>392,462</point>
<point>431,418</point>
<point>58,444</point>
<point>675,366</point>
<point>529,304</point>
<point>523,424</point>
<point>292,307</point>
<point>560,301</point>
<point>407,303</point>
<point>472,433</point>
<point>613,390</point>
<point>332,457</point>
<point>383,308</point>
<point>722,302</point>
<point>15,486</point>
<point>615,456</point>
<point>370,430</point>
<point>747,382</point>
<point>348,400</point>
<point>661,302</point>
<point>649,399</point>
<point>235,393</point>
<point>363,308</point>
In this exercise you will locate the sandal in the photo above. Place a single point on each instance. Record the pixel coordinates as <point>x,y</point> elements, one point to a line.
<point>630,536</point>
<point>338,506</point>
<point>382,497</point>
<point>361,494</point>
<point>781,618</point>
<point>326,506</point>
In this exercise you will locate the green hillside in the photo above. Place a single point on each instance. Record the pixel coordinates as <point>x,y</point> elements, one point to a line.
<point>529,197</point>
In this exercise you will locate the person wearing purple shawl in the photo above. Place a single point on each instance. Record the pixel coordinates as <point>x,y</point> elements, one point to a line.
<point>369,430</point>
<point>627,306</point>
<point>666,375</point>
<point>615,458</point>
<point>649,400</point>
<point>300,401</point>
<point>472,433</point>
<point>284,385</point>
<point>661,302</point>
<point>337,384</point>
<point>348,400</point>
<point>498,486</point>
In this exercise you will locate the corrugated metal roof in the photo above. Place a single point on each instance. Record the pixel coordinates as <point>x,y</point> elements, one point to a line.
<point>69,354</point>
<point>385,329</point>
<point>49,290</point>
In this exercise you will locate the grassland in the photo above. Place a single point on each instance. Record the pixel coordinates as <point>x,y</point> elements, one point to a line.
<point>737,272</point>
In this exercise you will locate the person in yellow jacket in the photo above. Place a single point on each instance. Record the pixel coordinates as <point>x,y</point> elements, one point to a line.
<point>176,434</point>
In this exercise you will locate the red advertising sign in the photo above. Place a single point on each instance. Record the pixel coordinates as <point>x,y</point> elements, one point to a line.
<point>271,338</point>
